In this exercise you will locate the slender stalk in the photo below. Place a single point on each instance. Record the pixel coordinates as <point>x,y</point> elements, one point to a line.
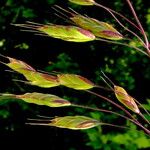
<point>46,123</point>
<point>44,117</point>
<point>100,124</point>
<point>146,45</point>
<point>110,101</point>
<point>37,124</point>
<point>117,126</point>
<point>120,107</point>
<point>124,44</point>
<point>119,14</point>
<point>113,125</point>
<point>107,9</point>
<point>102,110</point>
<point>39,120</point>
<point>111,88</point>
<point>138,22</point>
<point>140,114</point>
<point>142,106</point>
<point>144,118</point>
<point>101,87</point>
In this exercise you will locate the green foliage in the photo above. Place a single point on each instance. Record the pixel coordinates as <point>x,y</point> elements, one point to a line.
<point>147,106</point>
<point>4,113</point>
<point>118,141</point>
<point>63,64</point>
<point>28,13</point>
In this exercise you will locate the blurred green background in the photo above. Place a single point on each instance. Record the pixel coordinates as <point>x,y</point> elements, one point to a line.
<point>125,66</point>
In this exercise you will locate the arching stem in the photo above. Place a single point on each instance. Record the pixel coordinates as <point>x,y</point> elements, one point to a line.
<point>107,9</point>
<point>119,14</point>
<point>139,24</point>
<point>123,44</point>
<point>101,110</point>
<point>120,107</point>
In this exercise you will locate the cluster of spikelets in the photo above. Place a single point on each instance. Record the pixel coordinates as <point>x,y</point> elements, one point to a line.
<point>84,29</point>
<point>73,81</point>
